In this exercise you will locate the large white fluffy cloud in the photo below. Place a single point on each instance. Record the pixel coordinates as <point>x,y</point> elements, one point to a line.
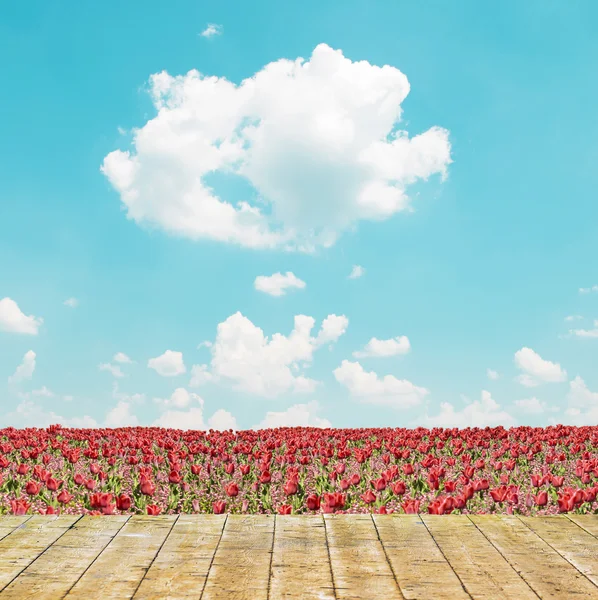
<point>13,320</point>
<point>384,348</point>
<point>245,357</point>
<point>536,370</point>
<point>387,390</point>
<point>278,284</point>
<point>582,404</point>
<point>318,140</point>
<point>298,415</point>
<point>485,412</point>
<point>169,364</point>
<point>25,369</point>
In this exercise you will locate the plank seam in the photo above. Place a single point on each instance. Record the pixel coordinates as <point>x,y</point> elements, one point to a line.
<point>40,554</point>
<point>96,558</point>
<point>329,558</point>
<point>386,557</point>
<point>155,555</point>
<point>15,528</point>
<point>555,550</point>
<point>448,562</point>
<point>205,581</point>
<point>506,559</point>
<point>271,560</point>
<point>581,526</point>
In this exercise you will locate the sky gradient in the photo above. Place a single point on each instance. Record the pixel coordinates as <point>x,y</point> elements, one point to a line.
<point>358,214</point>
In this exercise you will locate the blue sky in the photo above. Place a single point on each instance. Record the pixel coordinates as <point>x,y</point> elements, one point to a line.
<point>477,229</point>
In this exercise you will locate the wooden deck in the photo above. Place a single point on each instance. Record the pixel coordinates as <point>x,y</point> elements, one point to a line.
<point>299,557</point>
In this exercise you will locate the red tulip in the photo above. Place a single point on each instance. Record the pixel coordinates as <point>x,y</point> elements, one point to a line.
<point>542,498</point>
<point>368,497</point>
<point>265,477</point>
<point>153,509</point>
<point>64,497</point>
<point>232,490</point>
<point>147,487</point>
<point>379,484</point>
<point>219,507</point>
<point>19,506</point>
<point>313,502</point>
<point>399,488</point>
<point>52,484</point>
<point>174,477</point>
<point>285,509</point>
<point>123,502</point>
<point>32,488</point>
<point>290,487</point>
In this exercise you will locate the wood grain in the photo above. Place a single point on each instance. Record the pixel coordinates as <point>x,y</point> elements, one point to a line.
<point>181,568</point>
<point>55,572</point>
<point>120,568</point>
<point>481,568</point>
<point>241,567</point>
<point>359,565</point>
<point>25,543</point>
<point>549,574</point>
<point>419,565</point>
<point>573,543</point>
<point>300,565</point>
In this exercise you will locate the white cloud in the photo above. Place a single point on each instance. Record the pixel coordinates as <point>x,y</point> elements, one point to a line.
<point>200,374</point>
<point>14,321</point>
<point>570,318</point>
<point>384,348</point>
<point>278,284</point>
<point>493,375</point>
<point>43,391</point>
<point>25,369</point>
<point>30,414</point>
<point>387,390</point>
<point>181,419</point>
<point>122,358</point>
<point>121,416</point>
<point>585,333</point>
<point>254,363</point>
<point>588,290</point>
<point>180,398</point>
<point>534,406</point>
<point>536,370</point>
<point>222,420</point>
<point>318,141</point>
<point>71,302</point>
<point>169,364</point>
<point>211,30</point>
<point>114,369</point>
<point>480,413</point>
<point>356,272</point>
<point>206,344</point>
<point>299,415</point>
<point>582,404</point>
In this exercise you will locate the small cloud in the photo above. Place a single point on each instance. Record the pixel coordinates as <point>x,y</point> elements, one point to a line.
<point>121,131</point>
<point>570,318</point>
<point>121,357</point>
<point>114,369</point>
<point>278,284</point>
<point>43,391</point>
<point>25,369</point>
<point>356,272</point>
<point>384,348</point>
<point>492,374</point>
<point>71,302</point>
<point>206,344</point>
<point>585,333</point>
<point>536,370</point>
<point>169,364</point>
<point>211,30</point>
<point>588,290</point>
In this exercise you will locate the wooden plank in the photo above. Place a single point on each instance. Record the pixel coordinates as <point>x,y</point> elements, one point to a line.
<point>300,565</point>
<point>481,568</point>
<point>588,523</point>
<point>573,543</point>
<point>8,523</point>
<point>21,547</point>
<point>119,569</point>
<point>241,567</point>
<point>359,565</point>
<point>55,572</point>
<point>181,567</point>
<point>548,573</point>
<point>419,565</point>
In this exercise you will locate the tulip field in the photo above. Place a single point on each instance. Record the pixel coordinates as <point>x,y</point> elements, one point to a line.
<point>152,471</point>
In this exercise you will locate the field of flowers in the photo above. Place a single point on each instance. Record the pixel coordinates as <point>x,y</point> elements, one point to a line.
<point>299,470</point>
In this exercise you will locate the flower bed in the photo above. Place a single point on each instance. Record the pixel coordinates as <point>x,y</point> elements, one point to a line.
<point>299,470</point>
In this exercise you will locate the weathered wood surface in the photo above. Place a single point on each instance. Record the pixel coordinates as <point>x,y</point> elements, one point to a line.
<point>324,557</point>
